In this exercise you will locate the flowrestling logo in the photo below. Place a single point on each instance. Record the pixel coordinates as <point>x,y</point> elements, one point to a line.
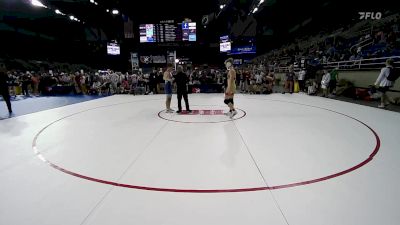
<point>370,15</point>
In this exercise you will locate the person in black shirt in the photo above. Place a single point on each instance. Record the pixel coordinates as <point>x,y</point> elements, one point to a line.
<point>153,82</point>
<point>4,87</point>
<point>181,80</point>
<point>26,81</point>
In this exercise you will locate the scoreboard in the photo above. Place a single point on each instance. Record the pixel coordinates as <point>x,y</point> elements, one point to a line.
<point>167,32</point>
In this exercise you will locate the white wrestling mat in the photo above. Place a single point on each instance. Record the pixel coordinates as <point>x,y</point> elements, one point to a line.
<point>283,159</point>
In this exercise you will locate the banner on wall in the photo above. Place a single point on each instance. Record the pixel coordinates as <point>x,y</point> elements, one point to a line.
<point>146,59</point>
<point>159,59</point>
<point>243,50</point>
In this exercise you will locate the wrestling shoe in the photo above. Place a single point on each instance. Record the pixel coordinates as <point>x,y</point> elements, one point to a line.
<point>232,114</point>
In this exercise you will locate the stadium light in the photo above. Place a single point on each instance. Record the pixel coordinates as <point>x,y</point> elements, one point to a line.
<point>37,3</point>
<point>92,1</point>
<point>261,2</point>
<point>71,17</point>
<point>107,10</point>
<point>255,10</point>
<point>115,12</point>
<point>222,6</point>
<point>59,12</point>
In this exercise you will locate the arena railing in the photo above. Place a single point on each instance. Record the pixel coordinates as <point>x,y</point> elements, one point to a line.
<point>359,64</point>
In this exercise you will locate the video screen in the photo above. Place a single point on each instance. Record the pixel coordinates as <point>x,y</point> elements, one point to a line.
<point>225,44</point>
<point>189,31</point>
<point>113,49</point>
<point>147,33</point>
<point>225,47</point>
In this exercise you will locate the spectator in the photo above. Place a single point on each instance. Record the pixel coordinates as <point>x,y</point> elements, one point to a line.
<point>241,80</point>
<point>114,82</point>
<point>96,88</point>
<point>35,83</point>
<point>134,81</point>
<point>153,82</point>
<point>77,83</point>
<point>289,80</point>
<point>125,88</point>
<point>83,84</point>
<point>4,88</point>
<point>269,82</point>
<point>312,88</point>
<point>146,79</point>
<point>383,83</point>
<point>26,81</point>
<point>325,83</point>
<point>301,79</point>
<point>333,81</point>
<point>159,81</point>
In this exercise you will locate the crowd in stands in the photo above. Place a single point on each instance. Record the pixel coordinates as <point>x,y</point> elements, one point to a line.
<point>33,83</point>
<point>59,83</point>
<point>305,63</point>
<point>379,40</point>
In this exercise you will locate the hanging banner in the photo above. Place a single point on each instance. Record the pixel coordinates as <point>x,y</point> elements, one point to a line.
<point>134,59</point>
<point>171,56</point>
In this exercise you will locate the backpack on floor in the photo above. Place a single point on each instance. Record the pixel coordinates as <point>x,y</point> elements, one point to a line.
<point>393,74</point>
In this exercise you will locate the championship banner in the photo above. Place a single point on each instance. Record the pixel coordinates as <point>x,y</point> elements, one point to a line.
<point>128,27</point>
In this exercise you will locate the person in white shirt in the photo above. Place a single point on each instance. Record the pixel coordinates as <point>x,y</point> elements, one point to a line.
<point>134,80</point>
<point>301,79</point>
<point>258,78</point>
<point>384,84</point>
<point>325,83</point>
<point>96,87</point>
<point>258,83</point>
<point>114,82</point>
<point>312,88</point>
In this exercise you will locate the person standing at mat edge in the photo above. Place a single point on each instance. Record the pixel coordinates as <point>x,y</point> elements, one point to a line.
<point>385,81</point>
<point>181,80</point>
<point>168,88</point>
<point>231,87</point>
<point>4,87</point>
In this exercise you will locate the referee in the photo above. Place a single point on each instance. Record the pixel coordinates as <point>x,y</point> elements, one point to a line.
<point>181,81</point>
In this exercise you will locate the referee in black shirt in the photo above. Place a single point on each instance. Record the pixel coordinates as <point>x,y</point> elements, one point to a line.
<point>181,80</point>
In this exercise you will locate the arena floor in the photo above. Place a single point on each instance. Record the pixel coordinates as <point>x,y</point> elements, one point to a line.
<point>284,159</point>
